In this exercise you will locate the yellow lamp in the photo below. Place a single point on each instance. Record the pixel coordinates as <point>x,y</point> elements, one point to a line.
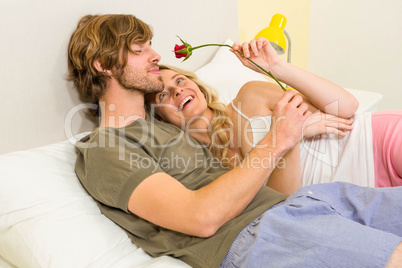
<point>276,34</point>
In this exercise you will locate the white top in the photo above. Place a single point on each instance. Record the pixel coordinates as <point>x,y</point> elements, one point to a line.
<point>328,157</point>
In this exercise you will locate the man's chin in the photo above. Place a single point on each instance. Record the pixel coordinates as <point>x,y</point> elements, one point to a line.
<point>158,86</point>
<point>145,90</point>
<point>152,86</point>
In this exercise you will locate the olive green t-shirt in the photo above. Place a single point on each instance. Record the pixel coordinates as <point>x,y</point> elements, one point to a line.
<point>112,162</point>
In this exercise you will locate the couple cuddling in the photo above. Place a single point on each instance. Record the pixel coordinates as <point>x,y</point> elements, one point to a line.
<point>213,215</point>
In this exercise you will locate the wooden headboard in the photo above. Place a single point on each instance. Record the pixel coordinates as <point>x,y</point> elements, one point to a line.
<point>36,99</point>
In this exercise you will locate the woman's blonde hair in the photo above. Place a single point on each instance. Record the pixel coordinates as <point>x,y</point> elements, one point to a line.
<point>221,126</point>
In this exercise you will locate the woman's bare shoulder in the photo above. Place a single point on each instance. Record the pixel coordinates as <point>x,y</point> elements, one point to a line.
<point>257,98</point>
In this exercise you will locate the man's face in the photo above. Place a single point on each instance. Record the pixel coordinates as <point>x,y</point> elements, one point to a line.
<point>142,71</point>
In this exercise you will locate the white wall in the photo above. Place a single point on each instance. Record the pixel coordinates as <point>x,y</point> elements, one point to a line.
<point>358,44</point>
<point>35,97</point>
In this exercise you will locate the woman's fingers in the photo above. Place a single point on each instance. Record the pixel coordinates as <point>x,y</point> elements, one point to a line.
<point>339,125</point>
<point>335,131</point>
<point>320,123</point>
<point>248,48</point>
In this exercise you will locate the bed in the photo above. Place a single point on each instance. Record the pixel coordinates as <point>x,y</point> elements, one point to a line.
<point>46,217</point>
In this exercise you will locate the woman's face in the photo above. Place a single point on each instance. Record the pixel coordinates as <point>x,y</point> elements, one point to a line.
<point>181,101</point>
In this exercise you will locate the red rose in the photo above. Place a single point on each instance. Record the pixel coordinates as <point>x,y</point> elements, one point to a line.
<point>186,50</point>
<point>180,51</point>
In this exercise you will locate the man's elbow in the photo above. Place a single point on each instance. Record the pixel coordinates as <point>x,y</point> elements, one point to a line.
<point>205,231</point>
<point>205,225</point>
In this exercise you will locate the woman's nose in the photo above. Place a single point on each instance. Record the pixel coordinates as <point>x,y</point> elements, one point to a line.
<point>178,91</point>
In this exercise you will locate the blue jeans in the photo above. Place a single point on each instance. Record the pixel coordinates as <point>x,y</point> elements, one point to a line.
<point>323,225</point>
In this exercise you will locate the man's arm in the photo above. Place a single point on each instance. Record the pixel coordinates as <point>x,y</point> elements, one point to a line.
<point>396,258</point>
<point>163,200</point>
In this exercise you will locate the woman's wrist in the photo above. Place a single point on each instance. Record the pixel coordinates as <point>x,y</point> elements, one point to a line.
<point>280,69</point>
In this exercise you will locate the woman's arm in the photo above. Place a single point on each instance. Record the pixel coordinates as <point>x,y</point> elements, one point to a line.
<point>322,93</point>
<point>258,99</point>
<point>328,97</point>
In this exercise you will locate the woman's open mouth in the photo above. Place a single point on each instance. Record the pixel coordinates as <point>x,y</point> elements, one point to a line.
<point>184,102</point>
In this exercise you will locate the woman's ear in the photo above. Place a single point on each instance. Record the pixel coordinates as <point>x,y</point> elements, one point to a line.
<point>98,66</point>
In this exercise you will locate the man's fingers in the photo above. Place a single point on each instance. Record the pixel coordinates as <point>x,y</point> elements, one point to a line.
<point>288,96</point>
<point>304,108</point>
<point>308,113</point>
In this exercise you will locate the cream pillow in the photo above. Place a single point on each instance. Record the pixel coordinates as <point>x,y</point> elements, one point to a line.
<point>227,74</point>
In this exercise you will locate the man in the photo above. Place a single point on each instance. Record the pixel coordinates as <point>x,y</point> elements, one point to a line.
<point>165,189</point>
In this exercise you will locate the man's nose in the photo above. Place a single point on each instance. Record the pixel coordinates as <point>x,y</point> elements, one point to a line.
<point>155,58</point>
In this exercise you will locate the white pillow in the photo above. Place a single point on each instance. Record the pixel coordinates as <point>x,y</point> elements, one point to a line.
<point>48,220</point>
<point>227,74</point>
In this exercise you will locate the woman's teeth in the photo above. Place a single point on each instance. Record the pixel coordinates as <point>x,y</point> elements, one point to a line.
<point>184,102</point>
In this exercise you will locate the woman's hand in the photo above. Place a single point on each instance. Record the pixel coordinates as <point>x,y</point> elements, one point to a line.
<point>322,93</point>
<point>260,51</point>
<point>320,123</point>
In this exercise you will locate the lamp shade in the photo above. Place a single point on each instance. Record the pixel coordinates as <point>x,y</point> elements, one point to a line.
<point>275,33</point>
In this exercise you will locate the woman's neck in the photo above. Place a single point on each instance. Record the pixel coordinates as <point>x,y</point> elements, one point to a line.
<point>199,128</point>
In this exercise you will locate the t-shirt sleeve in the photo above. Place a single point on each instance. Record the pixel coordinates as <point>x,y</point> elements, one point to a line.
<point>111,173</point>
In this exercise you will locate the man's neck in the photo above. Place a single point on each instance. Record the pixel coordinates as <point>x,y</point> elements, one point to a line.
<point>120,108</point>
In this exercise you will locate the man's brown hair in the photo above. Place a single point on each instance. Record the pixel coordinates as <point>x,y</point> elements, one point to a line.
<point>108,39</point>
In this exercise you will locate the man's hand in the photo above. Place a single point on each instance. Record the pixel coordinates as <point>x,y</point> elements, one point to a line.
<point>288,118</point>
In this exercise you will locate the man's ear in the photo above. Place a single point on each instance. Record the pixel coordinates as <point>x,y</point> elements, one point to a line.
<point>98,66</point>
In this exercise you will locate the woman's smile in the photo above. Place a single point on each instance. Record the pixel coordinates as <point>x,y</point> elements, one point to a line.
<point>184,101</point>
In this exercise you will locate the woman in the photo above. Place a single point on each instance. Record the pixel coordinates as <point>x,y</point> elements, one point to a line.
<point>231,132</point>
